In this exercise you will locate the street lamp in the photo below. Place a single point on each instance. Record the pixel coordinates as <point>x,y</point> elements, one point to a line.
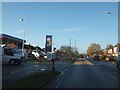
<point>23,20</point>
<point>109,13</point>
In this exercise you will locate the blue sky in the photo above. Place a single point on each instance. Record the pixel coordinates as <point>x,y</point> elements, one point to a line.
<point>85,22</point>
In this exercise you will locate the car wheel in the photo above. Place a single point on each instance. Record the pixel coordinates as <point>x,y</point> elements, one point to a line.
<point>12,62</point>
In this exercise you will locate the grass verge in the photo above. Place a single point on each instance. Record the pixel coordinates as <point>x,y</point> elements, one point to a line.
<point>37,80</point>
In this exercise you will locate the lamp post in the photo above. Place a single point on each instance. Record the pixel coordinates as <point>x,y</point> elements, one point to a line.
<point>77,43</point>
<point>70,43</point>
<point>23,20</point>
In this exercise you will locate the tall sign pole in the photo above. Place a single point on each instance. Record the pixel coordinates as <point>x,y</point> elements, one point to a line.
<point>48,49</point>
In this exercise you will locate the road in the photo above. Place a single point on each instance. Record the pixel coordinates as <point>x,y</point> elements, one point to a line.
<point>11,74</point>
<point>88,74</point>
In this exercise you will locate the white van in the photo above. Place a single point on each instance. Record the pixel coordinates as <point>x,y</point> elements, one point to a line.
<point>10,55</point>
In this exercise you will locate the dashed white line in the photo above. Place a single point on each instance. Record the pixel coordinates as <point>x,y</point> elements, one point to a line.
<point>36,65</point>
<point>43,69</point>
<point>14,72</point>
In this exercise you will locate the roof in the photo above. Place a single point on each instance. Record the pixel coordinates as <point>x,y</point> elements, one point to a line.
<point>38,48</point>
<point>30,46</point>
<point>11,37</point>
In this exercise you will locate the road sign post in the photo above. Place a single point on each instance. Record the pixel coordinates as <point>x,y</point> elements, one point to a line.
<point>53,64</point>
<point>48,47</point>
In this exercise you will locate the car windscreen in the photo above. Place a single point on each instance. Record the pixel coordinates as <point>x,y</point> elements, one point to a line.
<point>41,52</point>
<point>15,51</point>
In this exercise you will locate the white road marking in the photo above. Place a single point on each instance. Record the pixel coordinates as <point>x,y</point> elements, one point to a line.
<point>111,76</point>
<point>36,65</point>
<point>43,69</point>
<point>62,77</point>
<point>14,72</point>
<point>64,71</point>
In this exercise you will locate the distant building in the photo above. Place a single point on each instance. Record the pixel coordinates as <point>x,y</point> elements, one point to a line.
<point>110,51</point>
<point>15,42</point>
<point>113,50</point>
<point>105,51</point>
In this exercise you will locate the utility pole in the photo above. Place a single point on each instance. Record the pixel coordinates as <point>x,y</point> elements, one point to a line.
<point>53,62</point>
<point>70,43</point>
<point>75,45</point>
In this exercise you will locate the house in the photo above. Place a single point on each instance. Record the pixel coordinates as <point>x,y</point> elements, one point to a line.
<point>110,51</point>
<point>113,51</point>
<point>105,52</point>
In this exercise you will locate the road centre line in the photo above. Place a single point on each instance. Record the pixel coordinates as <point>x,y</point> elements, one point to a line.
<point>110,76</point>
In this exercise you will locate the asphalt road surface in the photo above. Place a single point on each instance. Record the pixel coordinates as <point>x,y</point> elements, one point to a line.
<point>11,74</point>
<point>88,74</point>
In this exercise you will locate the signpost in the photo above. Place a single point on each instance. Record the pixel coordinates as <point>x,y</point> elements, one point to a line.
<point>48,45</point>
<point>48,49</point>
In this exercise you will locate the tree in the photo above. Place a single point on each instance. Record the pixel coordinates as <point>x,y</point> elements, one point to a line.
<point>68,51</point>
<point>94,49</point>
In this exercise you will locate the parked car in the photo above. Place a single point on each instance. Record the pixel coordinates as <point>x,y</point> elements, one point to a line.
<point>10,55</point>
<point>97,57</point>
<point>42,54</point>
<point>35,53</point>
<point>39,54</point>
<point>23,55</point>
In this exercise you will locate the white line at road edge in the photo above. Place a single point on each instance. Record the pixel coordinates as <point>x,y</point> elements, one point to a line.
<point>62,77</point>
<point>111,76</point>
<point>64,71</point>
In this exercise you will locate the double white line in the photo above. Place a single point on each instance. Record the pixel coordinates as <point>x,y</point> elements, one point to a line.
<point>62,76</point>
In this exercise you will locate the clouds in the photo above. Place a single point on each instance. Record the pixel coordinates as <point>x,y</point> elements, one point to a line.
<point>71,30</point>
